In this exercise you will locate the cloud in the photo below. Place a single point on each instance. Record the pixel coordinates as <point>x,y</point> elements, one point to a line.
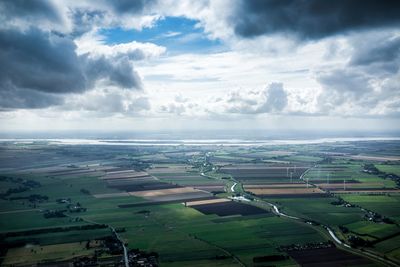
<point>173,108</point>
<point>368,84</point>
<point>23,14</point>
<point>357,93</point>
<point>38,65</point>
<point>113,64</point>
<point>86,16</point>
<point>30,9</point>
<point>108,101</point>
<point>128,6</point>
<point>93,43</point>
<point>112,71</point>
<point>36,68</point>
<point>85,20</point>
<point>348,82</point>
<point>39,61</point>
<point>20,98</point>
<point>77,17</point>
<point>53,54</point>
<point>312,19</point>
<point>271,99</point>
<point>382,54</point>
<point>275,99</point>
<point>170,34</point>
<point>50,50</point>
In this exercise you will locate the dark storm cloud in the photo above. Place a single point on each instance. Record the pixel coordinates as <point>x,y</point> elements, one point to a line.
<point>381,55</point>
<point>84,20</point>
<point>13,97</point>
<point>118,71</point>
<point>39,61</point>
<point>37,66</point>
<point>28,9</point>
<point>129,6</point>
<point>313,19</point>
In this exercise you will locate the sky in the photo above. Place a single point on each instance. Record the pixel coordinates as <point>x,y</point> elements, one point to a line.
<point>148,65</point>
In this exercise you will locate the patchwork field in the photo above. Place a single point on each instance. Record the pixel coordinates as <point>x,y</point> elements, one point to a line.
<point>186,176</point>
<point>255,173</point>
<point>132,185</point>
<point>171,194</point>
<point>351,177</point>
<point>200,206</point>
<point>285,191</point>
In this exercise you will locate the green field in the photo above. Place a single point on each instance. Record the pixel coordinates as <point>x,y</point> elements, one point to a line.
<point>389,169</point>
<point>35,253</point>
<point>180,235</point>
<point>387,205</point>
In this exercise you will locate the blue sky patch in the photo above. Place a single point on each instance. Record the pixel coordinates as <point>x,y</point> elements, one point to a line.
<point>178,34</point>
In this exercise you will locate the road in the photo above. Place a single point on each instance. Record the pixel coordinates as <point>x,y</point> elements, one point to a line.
<point>304,173</point>
<point>233,187</point>
<point>282,214</point>
<point>126,261</point>
<point>337,240</point>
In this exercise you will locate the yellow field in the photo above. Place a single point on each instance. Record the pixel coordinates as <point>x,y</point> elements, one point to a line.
<point>163,192</point>
<point>110,195</point>
<point>209,201</point>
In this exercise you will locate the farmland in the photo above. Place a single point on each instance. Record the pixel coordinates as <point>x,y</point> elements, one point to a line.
<point>227,208</point>
<point>203,205</point>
